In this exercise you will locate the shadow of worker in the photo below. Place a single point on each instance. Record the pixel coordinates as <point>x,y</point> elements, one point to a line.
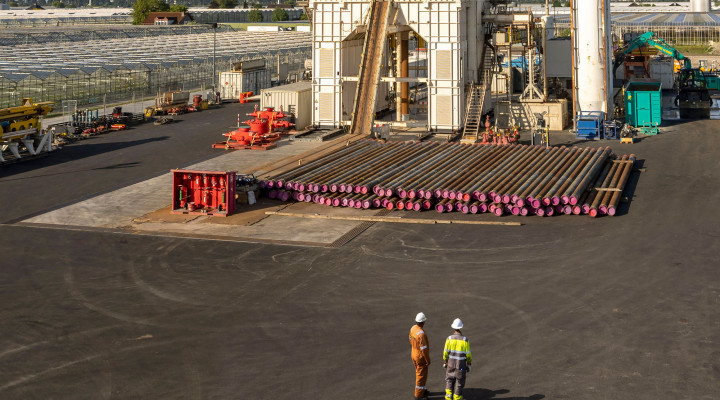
<point>488,394</point>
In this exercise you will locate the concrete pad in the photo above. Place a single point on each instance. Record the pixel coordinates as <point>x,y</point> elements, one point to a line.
<point>120,207</point>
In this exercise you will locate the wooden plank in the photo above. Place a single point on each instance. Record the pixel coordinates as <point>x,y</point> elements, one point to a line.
<point>390,219</point>
<point>608,190</point>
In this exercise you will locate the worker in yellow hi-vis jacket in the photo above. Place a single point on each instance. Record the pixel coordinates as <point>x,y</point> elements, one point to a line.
<point>420,355</point>
<point>457,359</point>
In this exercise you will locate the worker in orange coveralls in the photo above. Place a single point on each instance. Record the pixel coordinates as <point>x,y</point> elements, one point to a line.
<point>420,355</point>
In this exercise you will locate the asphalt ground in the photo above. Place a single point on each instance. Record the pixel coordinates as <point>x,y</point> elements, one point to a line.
<point>624,307</point>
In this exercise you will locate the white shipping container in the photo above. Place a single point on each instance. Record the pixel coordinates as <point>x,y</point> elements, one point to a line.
<point>231,84</point>
<point>663,70</point>
<point>295,99</point>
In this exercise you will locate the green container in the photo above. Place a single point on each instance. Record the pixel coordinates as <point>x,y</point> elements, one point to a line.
<point>643,105</point>
<point>712,82</point>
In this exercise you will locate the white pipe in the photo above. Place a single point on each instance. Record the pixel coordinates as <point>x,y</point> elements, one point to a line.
<point>594,55</point>
<point>699,5</point>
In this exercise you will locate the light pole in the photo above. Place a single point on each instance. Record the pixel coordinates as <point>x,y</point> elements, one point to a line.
<point>214,27</point>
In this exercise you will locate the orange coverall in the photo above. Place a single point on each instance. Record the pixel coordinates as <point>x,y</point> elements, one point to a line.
<point>420,355</point>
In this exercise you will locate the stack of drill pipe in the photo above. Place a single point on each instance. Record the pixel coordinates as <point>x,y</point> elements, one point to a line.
<point>467,178</point>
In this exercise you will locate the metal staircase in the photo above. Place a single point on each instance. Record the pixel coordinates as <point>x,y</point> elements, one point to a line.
<point>476,97</point>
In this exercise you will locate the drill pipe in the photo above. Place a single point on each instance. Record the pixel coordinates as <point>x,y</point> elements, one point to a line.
<point>437,170</point>
<point>527,154</point>
<point>556,198</point>
<point>452,187</point>
<point>508,192</point>
<point>615,199</point>
<point>407,176</point>
<point>498,156</point>
<point>447,169</point>
<point>593,210</point>
<point>583,180</point>
<point>280,180</point>
<point>348,176</point>
<point>613,184</point>
<point>486,179</point>
<point>549,197</point>
<point>535,195</point>
<point>410,164</point>
<point>541,174</point>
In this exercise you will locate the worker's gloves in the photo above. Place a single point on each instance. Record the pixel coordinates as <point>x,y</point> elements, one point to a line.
<point>444,365</point>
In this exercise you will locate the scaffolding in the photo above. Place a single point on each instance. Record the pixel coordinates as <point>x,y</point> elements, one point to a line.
<point>115,70</point>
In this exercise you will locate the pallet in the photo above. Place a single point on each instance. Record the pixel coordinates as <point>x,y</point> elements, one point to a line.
<point>628,140</point>
<point>211,213</point>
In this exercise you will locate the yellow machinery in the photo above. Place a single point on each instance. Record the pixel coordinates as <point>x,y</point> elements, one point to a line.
<point>20,130</point>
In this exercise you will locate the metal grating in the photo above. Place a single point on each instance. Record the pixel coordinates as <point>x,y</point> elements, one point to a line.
<point>326,69</point>
<point>356,231</point>
<point>326,111</point>
<point>443,110</point>
<point>443,64</point>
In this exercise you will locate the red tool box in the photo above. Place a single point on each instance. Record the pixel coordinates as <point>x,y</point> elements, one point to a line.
<point>203,192</point>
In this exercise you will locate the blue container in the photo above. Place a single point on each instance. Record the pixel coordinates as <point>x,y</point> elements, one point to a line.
<point>589,124</point>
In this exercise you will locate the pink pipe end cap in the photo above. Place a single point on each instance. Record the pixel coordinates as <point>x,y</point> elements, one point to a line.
<point>279,183</point>
<point>357,189</point>
<point>555,200</point>
<point>376,203</point>
<point>364,190</point>
<point>437,193</point>
<point>328,202</point>
<point>540,212</point>
<point>351,203</point>
<point>299,187</point>
<point>611,211</point>
<point>336,202</point>
<point>333,188</point>
<point>573,200</point>
<point>546,201</point>
<point>390,205</point>
<point>341,188</point>
<point>416,206</point>
<point>402,193</point>
<point>498,211</point>
<point>452,195</point>
<point>482,197</point>
<point>458,206</point>
<point>565,199</point>
<point>567,210</point>
<point>576,210</point>
<point>505,198</point>
<point>388,192</point>
<point>585,208</point>
<point>358,204</point>
<point>496,198</point>
<point>464,209</point>
<point>603,210</point>
<point>300,197</point>
<point>515,211</point>
<point>549,211</point>
<point>523,211</point>
<point>473,209</point>
<point>421,193</point>
<point>519,202</point>
<point>428,195</point>
<point>482,208</point>
<point>535,203</point>
<point>324,188</point>
<point>411,194</point>
<point>448,207</point>
<point>439,208</point>
<point>444,194</point>
<point>348,189</point>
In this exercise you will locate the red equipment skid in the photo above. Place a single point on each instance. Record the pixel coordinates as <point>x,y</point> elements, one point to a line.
<point>263,131</point>
<point>203,192</point>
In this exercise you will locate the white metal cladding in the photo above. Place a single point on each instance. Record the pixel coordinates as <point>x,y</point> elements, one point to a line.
<point>452,32</point>
<point>699,5</point>
<point>593,71</point>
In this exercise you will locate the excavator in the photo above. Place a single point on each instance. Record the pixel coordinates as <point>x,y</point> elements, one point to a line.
<point>693,98</point>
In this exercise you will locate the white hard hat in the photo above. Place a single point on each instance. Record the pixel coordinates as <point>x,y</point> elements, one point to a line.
<point>420,317</point>
<point>457,324</point>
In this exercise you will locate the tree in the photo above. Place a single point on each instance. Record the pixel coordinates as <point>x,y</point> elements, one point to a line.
<point>214,4</point>
<point>556,3</point>
<point>225,3</point>
<point>143,8</point>
<point>291,3</point>
<point>303,17</point>
<point>13,4</point>
<point>255,16</point>
<point>178,8</point>
<point>279,14</point>
<point>58,4</point>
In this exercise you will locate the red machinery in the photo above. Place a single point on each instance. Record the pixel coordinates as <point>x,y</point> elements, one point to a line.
<point>263,131</point>
<point>203,192</point>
